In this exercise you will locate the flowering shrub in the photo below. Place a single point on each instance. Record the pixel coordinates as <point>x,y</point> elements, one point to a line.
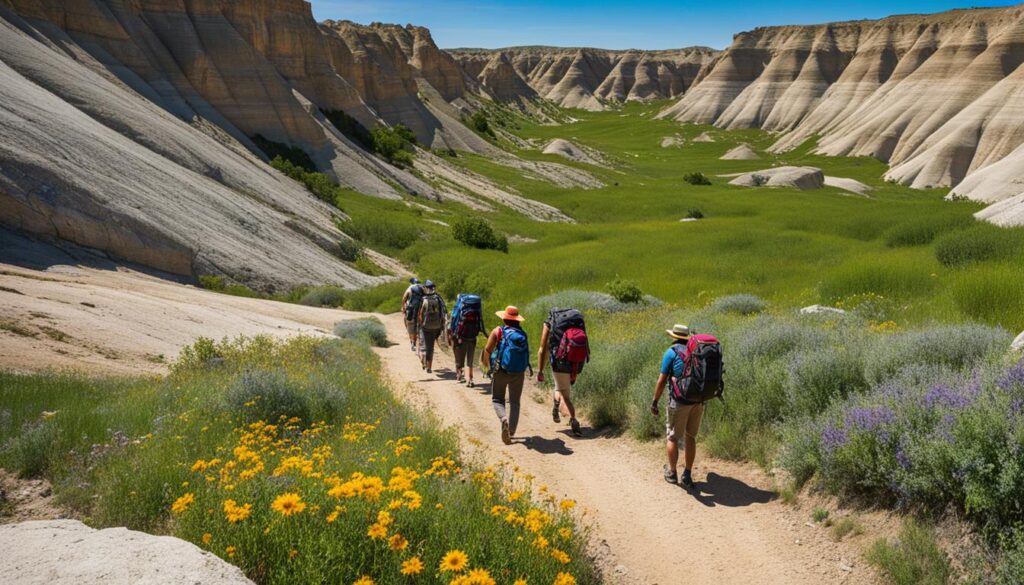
<point>740,304</point>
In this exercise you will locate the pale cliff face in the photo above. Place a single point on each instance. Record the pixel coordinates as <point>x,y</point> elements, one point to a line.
<point>583,78</point>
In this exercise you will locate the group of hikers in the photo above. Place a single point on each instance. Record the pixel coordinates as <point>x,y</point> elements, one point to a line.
<point>691,368</point>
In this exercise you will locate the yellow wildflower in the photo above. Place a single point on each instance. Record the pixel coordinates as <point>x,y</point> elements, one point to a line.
<point>567,505</point>
<point>230,551</point>
<point>181,504</point>
<point>564,579</point>
<point>364,580</point>
<point>412,566</point>
<point>540,542</point>
<point>454,561</point>
<point>332,516</point>
<point>565,533</point>
<point>235,513</point>
<point>499,510</point>
<point>293,553</point>
<point>207,538</point>
<point>515,496</point>
<point>479,577</point>
<point>288,504</point>
<point>560,556</point>
<point>384,518</point>
<point>520,581</point>
<point>398,543</point>
<point>377,531</point>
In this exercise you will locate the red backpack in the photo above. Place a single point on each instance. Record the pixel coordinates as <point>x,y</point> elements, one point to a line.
<point>569,341</point>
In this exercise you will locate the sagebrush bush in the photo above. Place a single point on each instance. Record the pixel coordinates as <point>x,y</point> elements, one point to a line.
<point>742,304</point>
<point>369,330</point>
<point>349,250</point>
<point>819,377</point>
<point>696,178</point>
<point>587,301</point>
<point>477,232</point>
<point>265,395</point>
<point>324,296</point>
<point>954,346</point>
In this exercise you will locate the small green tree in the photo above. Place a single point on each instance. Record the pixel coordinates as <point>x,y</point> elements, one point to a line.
<point>696,178</point>
<point>625,291</point>
<point>393,143</point>
<point>478,233</point>
<point>478,121</point>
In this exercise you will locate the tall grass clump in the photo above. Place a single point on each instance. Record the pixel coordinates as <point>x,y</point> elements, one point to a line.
<point>369,330</point>
<point>293,461</point>
<point>994,295</point>
<point>914,558</point>
<point>697,178</point>
<point>743,304</point>
<point>953,346</point>
<point>324,296</point>
<point>980,243</point>
<point>390,231</point>
<point>586,301</point>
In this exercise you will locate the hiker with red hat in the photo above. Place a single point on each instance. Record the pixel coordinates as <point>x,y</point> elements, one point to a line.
<point>692,367</point>
<point>507,357</point>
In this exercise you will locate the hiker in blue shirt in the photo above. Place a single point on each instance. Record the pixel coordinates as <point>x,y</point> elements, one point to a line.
<point>507,355</point>
<point>683,419</point>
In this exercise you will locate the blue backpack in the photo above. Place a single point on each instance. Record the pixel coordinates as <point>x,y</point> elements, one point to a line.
<point>512,355</point>
<point>467,318</point>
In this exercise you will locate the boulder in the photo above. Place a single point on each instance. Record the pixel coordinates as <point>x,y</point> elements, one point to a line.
<point>741,152</point>
<point>821,310</point>
<point>704,137</point>
<point>851,185</point>
<point>570,151</point>
<point>67,552</point>
<point>798,177</point>
<point>1018,343</point>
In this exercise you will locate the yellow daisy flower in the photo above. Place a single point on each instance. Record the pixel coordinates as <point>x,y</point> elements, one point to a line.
<point>288,504</point>
<point>181,504</point>
<point>412,566</point>
<point>454,561</point>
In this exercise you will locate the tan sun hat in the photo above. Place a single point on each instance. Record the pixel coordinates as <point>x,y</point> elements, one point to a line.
<point>510,314</point>
<point>679,331</point>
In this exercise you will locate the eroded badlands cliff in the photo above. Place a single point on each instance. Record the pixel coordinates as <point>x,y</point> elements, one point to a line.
<point>937,96</point>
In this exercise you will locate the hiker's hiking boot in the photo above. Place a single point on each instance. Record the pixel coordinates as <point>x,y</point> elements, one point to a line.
<point>461,379</point>
<point>469,384</point>
<point>575,425</point>
<point>687,479</point>
<point>506,436</point>
<point>555,416</point>
<point>670,476</point>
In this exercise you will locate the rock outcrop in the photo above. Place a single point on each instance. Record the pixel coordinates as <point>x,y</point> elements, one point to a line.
<point>67,552</point>
<point>568,150</point>
<point>741,152</point>
<point>585,78</point>
<point>937,96</point>
<point>798,177</point>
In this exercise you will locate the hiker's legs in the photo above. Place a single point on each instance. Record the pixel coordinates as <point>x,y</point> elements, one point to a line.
<point>515,393</point>
<point>470,349</point>
<point>562,394</point>
<point>499,384</point>
<point>429,337</point>
<point>693,417</point>
<point>675,429</point>
<point>672,449</point>
<point>410,328</point>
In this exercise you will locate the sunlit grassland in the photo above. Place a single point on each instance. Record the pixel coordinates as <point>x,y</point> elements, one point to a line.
<point>791,247</point>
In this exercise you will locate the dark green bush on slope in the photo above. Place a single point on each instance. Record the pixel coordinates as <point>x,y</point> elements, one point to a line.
<point>478,233</point>
<point>393,143</point>
<point>296,156</point>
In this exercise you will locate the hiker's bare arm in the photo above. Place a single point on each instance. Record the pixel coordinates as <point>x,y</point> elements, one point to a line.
<point>405,299</point>
<point>658,389</point>
<point>485,357</point>
<point>542,356</point>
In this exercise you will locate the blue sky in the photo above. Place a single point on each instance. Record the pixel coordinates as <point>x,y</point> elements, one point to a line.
<point>612,24</point>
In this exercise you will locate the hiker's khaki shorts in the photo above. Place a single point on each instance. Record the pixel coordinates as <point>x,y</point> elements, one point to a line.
<point>563,383</point>
<point>465,353</point>
<point>410,327</point>
<point>683,419</point>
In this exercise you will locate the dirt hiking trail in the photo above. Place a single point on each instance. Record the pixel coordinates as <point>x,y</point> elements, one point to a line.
<point>644,530</point>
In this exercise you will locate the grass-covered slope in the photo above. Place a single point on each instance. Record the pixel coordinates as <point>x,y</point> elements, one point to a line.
<point>926,256</point>
<point>292,460</point>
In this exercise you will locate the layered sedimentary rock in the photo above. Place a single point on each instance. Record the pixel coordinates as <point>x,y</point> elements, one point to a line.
<point>937,96</point>
<point>584,78</point>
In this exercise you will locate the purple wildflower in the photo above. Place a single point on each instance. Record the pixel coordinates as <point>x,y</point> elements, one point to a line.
<point>1012,378</point>
<point>902,459</point>
<point>832,438</point>
<point>944,429</point>
<point>946,396</point>
<point>869,418</point>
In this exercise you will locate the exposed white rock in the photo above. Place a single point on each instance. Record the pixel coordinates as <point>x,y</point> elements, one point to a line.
<point>799,177</point>
<point>704,137</point>
<point>851,185</point>
<point>567,149</point>
<point>821,310</point>
<point>1018,343</point>
<point>67,552</point>
<point>741,152</point>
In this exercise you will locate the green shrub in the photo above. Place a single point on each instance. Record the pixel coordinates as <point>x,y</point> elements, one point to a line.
<point>585,300</point>
<point>319,184</point>
<point>478,121</point>
<point>994,295</point>
<point>293,155</point>
<point>881,276</point>
<point>369,330</point>
<point>742,304</point>
<point>265,395</point>
<point>978,244</point>
<point>913,559</point>
<point>1010,569</point>
<point>625,291</point>
<point>694,213</point>
<point>384,298</point>
<point>696,178</point>
<point>391,231</point>
<point>324,296</point>
<point>819,377</point>
<point>394,143</point>
<point>955,347</point>
<point>30,453</point>
<point>349,250</point>
<point>477,232</point>
<point>819,514</point>
<point>845,526</point>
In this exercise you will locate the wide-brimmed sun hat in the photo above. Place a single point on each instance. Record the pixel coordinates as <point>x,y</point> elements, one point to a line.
<point>428,284</point>
<point>510,314</point>
<point>679,331</point>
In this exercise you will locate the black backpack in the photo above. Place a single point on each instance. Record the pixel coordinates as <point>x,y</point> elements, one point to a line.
<point>412,306</point>
<point>559,321</point>
<point>703,370</point>
<point>433,312</point>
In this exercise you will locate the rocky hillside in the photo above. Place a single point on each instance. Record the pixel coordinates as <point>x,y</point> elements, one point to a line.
<point>934,95</point>
<point>583,78</point>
